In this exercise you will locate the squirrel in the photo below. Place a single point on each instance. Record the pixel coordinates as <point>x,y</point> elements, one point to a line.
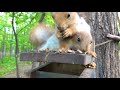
<point>71,30</point>
<point>43,37</point>
<point>83,41</point>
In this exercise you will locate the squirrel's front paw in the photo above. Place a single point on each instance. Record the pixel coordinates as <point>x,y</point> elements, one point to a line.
<point>62,51</point>
<point>67,33</point>
<point>94,54</point>
<point>59,34</point>
<point>46,50</point>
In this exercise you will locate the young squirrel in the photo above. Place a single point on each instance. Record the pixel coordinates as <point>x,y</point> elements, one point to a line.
<point>71,30</point>
<point>83,41</point>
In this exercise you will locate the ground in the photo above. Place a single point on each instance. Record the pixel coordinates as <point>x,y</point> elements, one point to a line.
<point>22,69</point>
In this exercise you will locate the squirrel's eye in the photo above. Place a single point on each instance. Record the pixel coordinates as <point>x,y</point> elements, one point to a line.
<point>78,40</point>
<point>68,16</point>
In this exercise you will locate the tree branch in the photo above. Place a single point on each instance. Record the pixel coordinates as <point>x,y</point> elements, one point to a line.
<point>113,37</point>
<point>13,14</point>
<point>29,23</point>
<point>16,49</point>
<point>42,17</point>
<point>97,45</point>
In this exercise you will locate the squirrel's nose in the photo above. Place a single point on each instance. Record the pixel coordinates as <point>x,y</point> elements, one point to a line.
<point>59,28</point>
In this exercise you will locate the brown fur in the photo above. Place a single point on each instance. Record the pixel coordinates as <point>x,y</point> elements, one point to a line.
<point>67,25</point>
<point>85,43</point>
<point>69,33</point>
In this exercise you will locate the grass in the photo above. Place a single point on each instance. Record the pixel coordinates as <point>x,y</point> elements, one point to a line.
<point>8,63</point>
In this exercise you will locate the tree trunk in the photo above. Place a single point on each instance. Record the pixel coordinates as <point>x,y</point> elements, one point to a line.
<point>16,47</point>
<point>12,46</point>
<point>108,62</point>
<point>4,44</point>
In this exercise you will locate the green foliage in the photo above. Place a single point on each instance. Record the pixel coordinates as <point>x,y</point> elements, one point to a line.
<point>7,65</point>
<point>48,19</point>
<point>24,21</point>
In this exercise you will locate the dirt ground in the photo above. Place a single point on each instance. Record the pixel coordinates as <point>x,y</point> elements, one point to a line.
<point>22,70</point>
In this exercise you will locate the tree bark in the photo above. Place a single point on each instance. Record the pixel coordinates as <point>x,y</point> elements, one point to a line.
<point>11,46</point>
<point>108,61</point>
<point>4,44</point>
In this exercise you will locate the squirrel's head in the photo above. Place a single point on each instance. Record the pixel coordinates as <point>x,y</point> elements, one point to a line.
<point>64,20</point>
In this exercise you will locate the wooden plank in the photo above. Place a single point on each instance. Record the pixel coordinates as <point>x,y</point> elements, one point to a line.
<point>74,69</point>
<point>57,57</point>
<point>61,70</point>
<point>36,69</point>
<point>88,73</point>
<point>42,74</point>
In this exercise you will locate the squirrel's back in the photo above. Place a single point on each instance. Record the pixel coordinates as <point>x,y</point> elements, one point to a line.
<point>52,43</point>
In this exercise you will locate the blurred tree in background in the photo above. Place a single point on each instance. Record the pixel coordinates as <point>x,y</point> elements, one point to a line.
<point>24,21</point>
